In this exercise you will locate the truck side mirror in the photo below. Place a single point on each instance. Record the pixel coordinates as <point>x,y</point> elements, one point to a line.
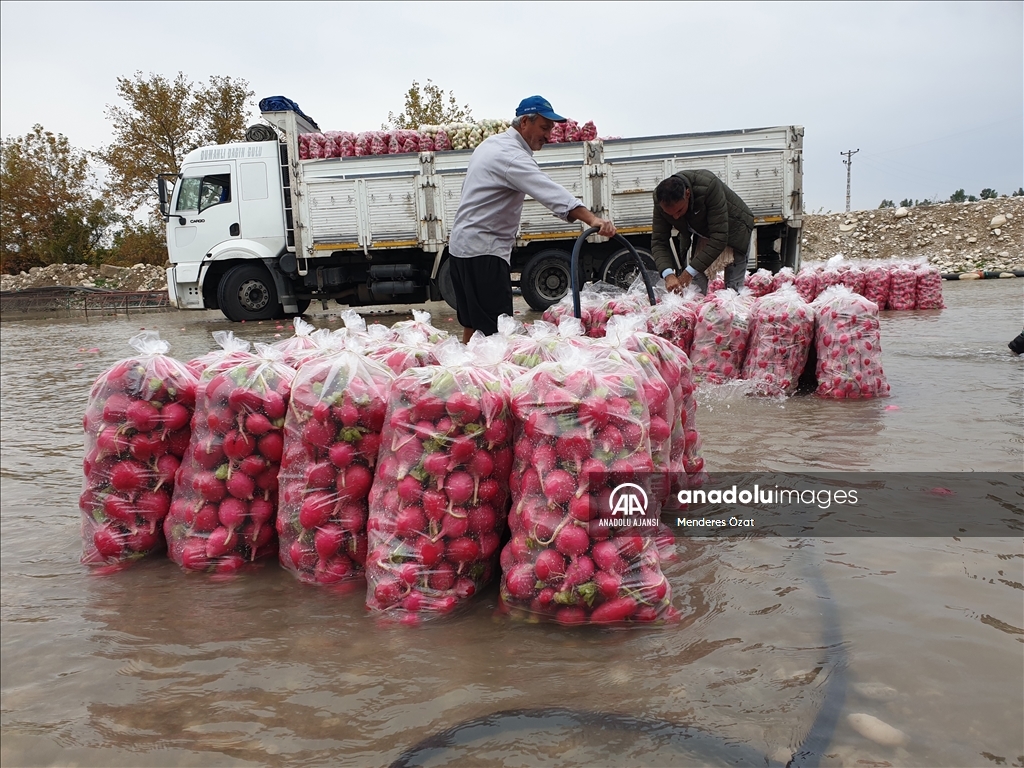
<point>161,185</point>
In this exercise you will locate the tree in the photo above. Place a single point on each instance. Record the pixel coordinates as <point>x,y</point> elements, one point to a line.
<point>50,211</point>
<point>426,105</point>
<point>164,120</point>
<point>1019,192</point>
<point>887,204</point>
<point>989,194</point>
<point>139,243</point>
<point>906,202</point>
<point>958,197</point>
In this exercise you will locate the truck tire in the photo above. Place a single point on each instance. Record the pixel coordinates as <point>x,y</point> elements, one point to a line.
<point>444,282</point>
<point>247,292</point>
<point>545,278</point>
<point>620,268</point>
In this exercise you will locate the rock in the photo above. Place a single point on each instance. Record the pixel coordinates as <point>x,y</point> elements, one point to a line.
<point>972,240</point>
<point>997,221</point>
<point>997,232</point>
<point>876,691</point>
<point>901,213</point>
<point>1009,217</point>
<point>109,270</point>
<point>872,728</point>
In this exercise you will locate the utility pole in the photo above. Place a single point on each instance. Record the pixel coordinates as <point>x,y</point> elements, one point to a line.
<point>848,162</point>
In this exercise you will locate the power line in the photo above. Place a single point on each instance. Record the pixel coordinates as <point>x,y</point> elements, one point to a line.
<point>848,162</point>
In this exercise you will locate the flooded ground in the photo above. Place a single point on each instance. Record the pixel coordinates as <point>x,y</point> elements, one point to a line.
<point>784,638</point>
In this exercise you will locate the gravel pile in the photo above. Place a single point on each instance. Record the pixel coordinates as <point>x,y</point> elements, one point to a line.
<point>955,237</point>
<point>141,277</point>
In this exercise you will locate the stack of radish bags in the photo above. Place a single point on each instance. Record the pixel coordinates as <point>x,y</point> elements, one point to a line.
<point>399,459</point>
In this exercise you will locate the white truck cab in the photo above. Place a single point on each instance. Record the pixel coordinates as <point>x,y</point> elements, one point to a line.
<point>226,232</point>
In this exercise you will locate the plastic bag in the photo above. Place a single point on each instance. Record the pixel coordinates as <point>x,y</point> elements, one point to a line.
<point>137,428</point>
<point>440,490</point>
<point>332,435</point>
<point>781,334</point>
<point>848,345</point>
<point>785,276</point>
<point>807,283</point>
<point>903,288</point>
<point>231,348</point>
<point>760,283</point>
<point>720,337</point>
<point>293,348</point>
<point>929,288</point>
<point>674,318</point>
<point>421,322</point>
<point>577,420</point>
<point>411,350</point>
<point>225,499</point>
<point>876,285</point>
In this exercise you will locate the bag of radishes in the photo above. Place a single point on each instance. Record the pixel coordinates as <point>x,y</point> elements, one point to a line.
<point>807,283</point>
<point>294,348</point>
<point>760,283</point>
<point>225,498</point>
<point>421,322</point>
<point>720,337</point>
<point>332,434</point>
<point>781,334</point>
<point>230,348</point>
<point>440,490</point>
<point>785,276</point>
<point>411,350</point>
<point>674,318</point>
<point>136,432</point>
<point>848,345</point>
<point>876,285</point>
<point>578,420</point>
<point>853,278</point>
<point>903,288</point>
<point>929,288</point>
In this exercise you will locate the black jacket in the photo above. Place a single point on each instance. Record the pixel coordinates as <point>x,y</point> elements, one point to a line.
<point>715,212</point>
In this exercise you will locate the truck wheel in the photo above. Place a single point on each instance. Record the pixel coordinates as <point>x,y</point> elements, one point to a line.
<point>620,268</point>
<point>247,292</point>
<point>545,279</point>
<point>444,282</point>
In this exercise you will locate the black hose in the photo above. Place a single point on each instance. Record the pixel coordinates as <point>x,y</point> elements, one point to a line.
<point>574,269</point>
<point>807,755</point>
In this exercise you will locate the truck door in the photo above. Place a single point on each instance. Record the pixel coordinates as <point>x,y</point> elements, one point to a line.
<point>204,212</point>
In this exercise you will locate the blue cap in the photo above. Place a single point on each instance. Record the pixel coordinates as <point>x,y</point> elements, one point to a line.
<point>538,105</point>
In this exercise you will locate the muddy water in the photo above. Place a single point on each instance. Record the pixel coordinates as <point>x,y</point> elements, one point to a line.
<point>155,667</point>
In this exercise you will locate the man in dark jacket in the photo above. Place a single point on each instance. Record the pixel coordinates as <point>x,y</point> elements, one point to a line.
<point>701,206</point>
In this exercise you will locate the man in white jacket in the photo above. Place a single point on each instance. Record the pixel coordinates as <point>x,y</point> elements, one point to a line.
<point>501,173</point>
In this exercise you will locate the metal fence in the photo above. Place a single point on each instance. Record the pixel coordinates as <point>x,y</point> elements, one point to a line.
<point>71,300</point>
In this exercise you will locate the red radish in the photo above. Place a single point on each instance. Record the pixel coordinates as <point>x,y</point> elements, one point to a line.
<point>619,609</point>
<point>550,566</point>
<point>129,476</point>
<point>520,582</point>
<point>219,543</point>
<point>608,584</point>
<point>579,571</point>
<point>572,541</point>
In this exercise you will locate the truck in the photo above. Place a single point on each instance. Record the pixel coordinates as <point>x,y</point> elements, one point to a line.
<point>258,233</point>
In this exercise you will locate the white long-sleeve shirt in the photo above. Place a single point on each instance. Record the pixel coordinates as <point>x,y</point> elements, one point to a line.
<point>501,173</point>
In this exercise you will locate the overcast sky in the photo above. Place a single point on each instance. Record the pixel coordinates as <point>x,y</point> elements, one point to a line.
<point>932,94</point>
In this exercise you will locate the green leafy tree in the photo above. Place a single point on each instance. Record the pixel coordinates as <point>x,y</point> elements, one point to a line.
<point>989,194</point>
<point>958,197</point>
<point>50,208</point>
<point>906,203</point>
<point>160,122</point>
<point>1019,192</point>
<point>887,204</point>
<point>428,105</point>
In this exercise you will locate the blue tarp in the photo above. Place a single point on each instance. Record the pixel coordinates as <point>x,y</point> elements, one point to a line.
<point>283,104</point>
